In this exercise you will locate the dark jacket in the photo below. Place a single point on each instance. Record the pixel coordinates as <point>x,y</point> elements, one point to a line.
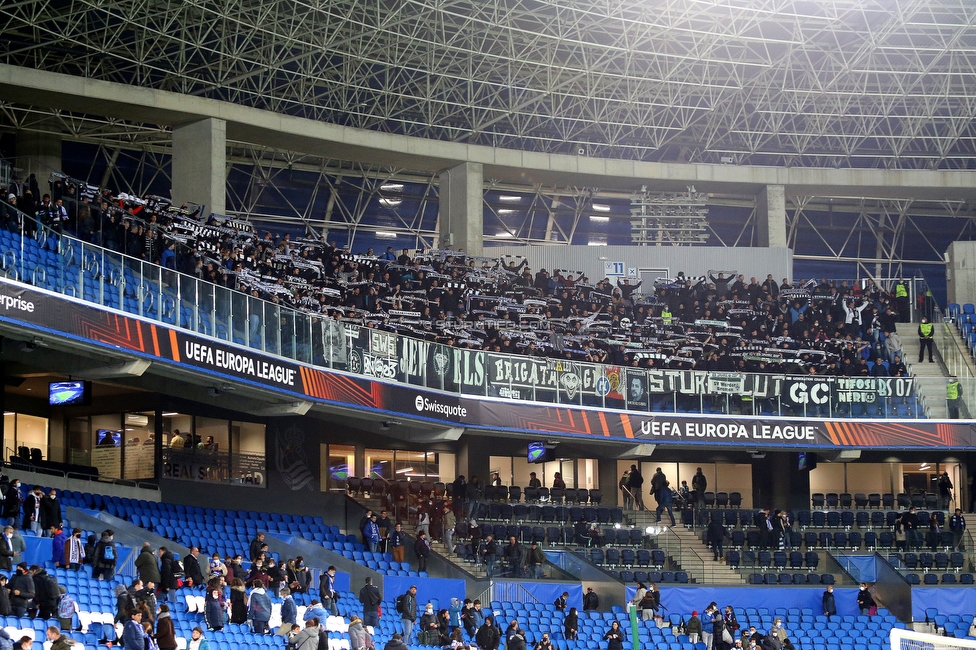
<point>238,608</point>
<point>515,642</point>
<point>409,612</point>
<point>50,512</point>
<point>191,568</point>
<point>214,614</point>
<point>30,503</point>
<point>421,548</point>
<point>715,532</point>
<point>4,603</point>
<point>591,601</point>
<point>614,639</point>
<point>46,589</point>
<point>865,599</point>
<point>370,597</point>
<point>11,501</point>
<point>90,546</point>
<point>123,603</point>
<point>255,549</point>
<point>289,611</point>
<point>23,583</point>
<point>100,561</point>
<point>6,553</point>
<point>165,632</point>
<point>147,567</point>
<point>488,636</point>
<point>167,571</point>
<point>694,626</point>
<point>395,644</point>
<point>827,604</point>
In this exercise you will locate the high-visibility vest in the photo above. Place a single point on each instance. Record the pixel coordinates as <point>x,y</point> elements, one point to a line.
<point>901,291</point>
<point>666,316</point>
<point>952,390</point>
<point>926,329</point>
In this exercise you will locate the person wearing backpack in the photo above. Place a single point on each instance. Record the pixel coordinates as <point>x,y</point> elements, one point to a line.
<point>259,608</point>
<point>105,557</point>
<point>67,608</point>
<point>407,608</point>
<point>371,599</point>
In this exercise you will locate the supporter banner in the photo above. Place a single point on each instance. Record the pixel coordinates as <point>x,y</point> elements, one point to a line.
<point>802,392</point>
<point>470,373</point>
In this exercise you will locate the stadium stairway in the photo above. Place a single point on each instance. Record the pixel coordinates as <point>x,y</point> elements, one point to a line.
<point>931,376</point>
<point>694,556</point>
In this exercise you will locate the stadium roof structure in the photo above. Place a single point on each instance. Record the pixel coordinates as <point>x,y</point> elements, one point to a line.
<point>831,83</point>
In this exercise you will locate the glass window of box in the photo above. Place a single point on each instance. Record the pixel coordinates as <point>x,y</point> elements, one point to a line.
<point>27,431</point>
<point>106,451</point>
<point>214,450</point>
<point>139,445</point>
<point>177,428</point>
<point>210,430</point>
<point>502,465</point>
<point>79,441</point>
<point>379,464</point>
<point>337,463</point>
<point>410,465</point>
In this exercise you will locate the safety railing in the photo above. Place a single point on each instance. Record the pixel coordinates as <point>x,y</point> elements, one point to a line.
<point>63,264</point>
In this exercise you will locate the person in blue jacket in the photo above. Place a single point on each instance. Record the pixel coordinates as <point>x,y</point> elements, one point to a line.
<point>213,612</point>
<point>665,498</point>
<point>133,634</point>
<point>289,611</point>
<point>707,626</point>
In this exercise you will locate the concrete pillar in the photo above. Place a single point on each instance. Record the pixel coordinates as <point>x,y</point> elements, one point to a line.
<point>200,164</point>
<point>961,271</point>
<point>771,217</point>
<point>475,450</point>
<point>38,154</point>
<point>608,479</point>
<point>461,208</point>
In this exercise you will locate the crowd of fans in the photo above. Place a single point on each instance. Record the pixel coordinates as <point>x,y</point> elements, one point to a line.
<point>720,321</point>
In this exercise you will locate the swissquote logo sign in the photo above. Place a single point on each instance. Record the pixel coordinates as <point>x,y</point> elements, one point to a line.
<point>425,405</point>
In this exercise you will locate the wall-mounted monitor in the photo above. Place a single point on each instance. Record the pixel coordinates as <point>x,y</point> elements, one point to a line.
<point>806,461</point>
<point>69,393</point>
<point>108,438</point>
<point>540,453</point>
